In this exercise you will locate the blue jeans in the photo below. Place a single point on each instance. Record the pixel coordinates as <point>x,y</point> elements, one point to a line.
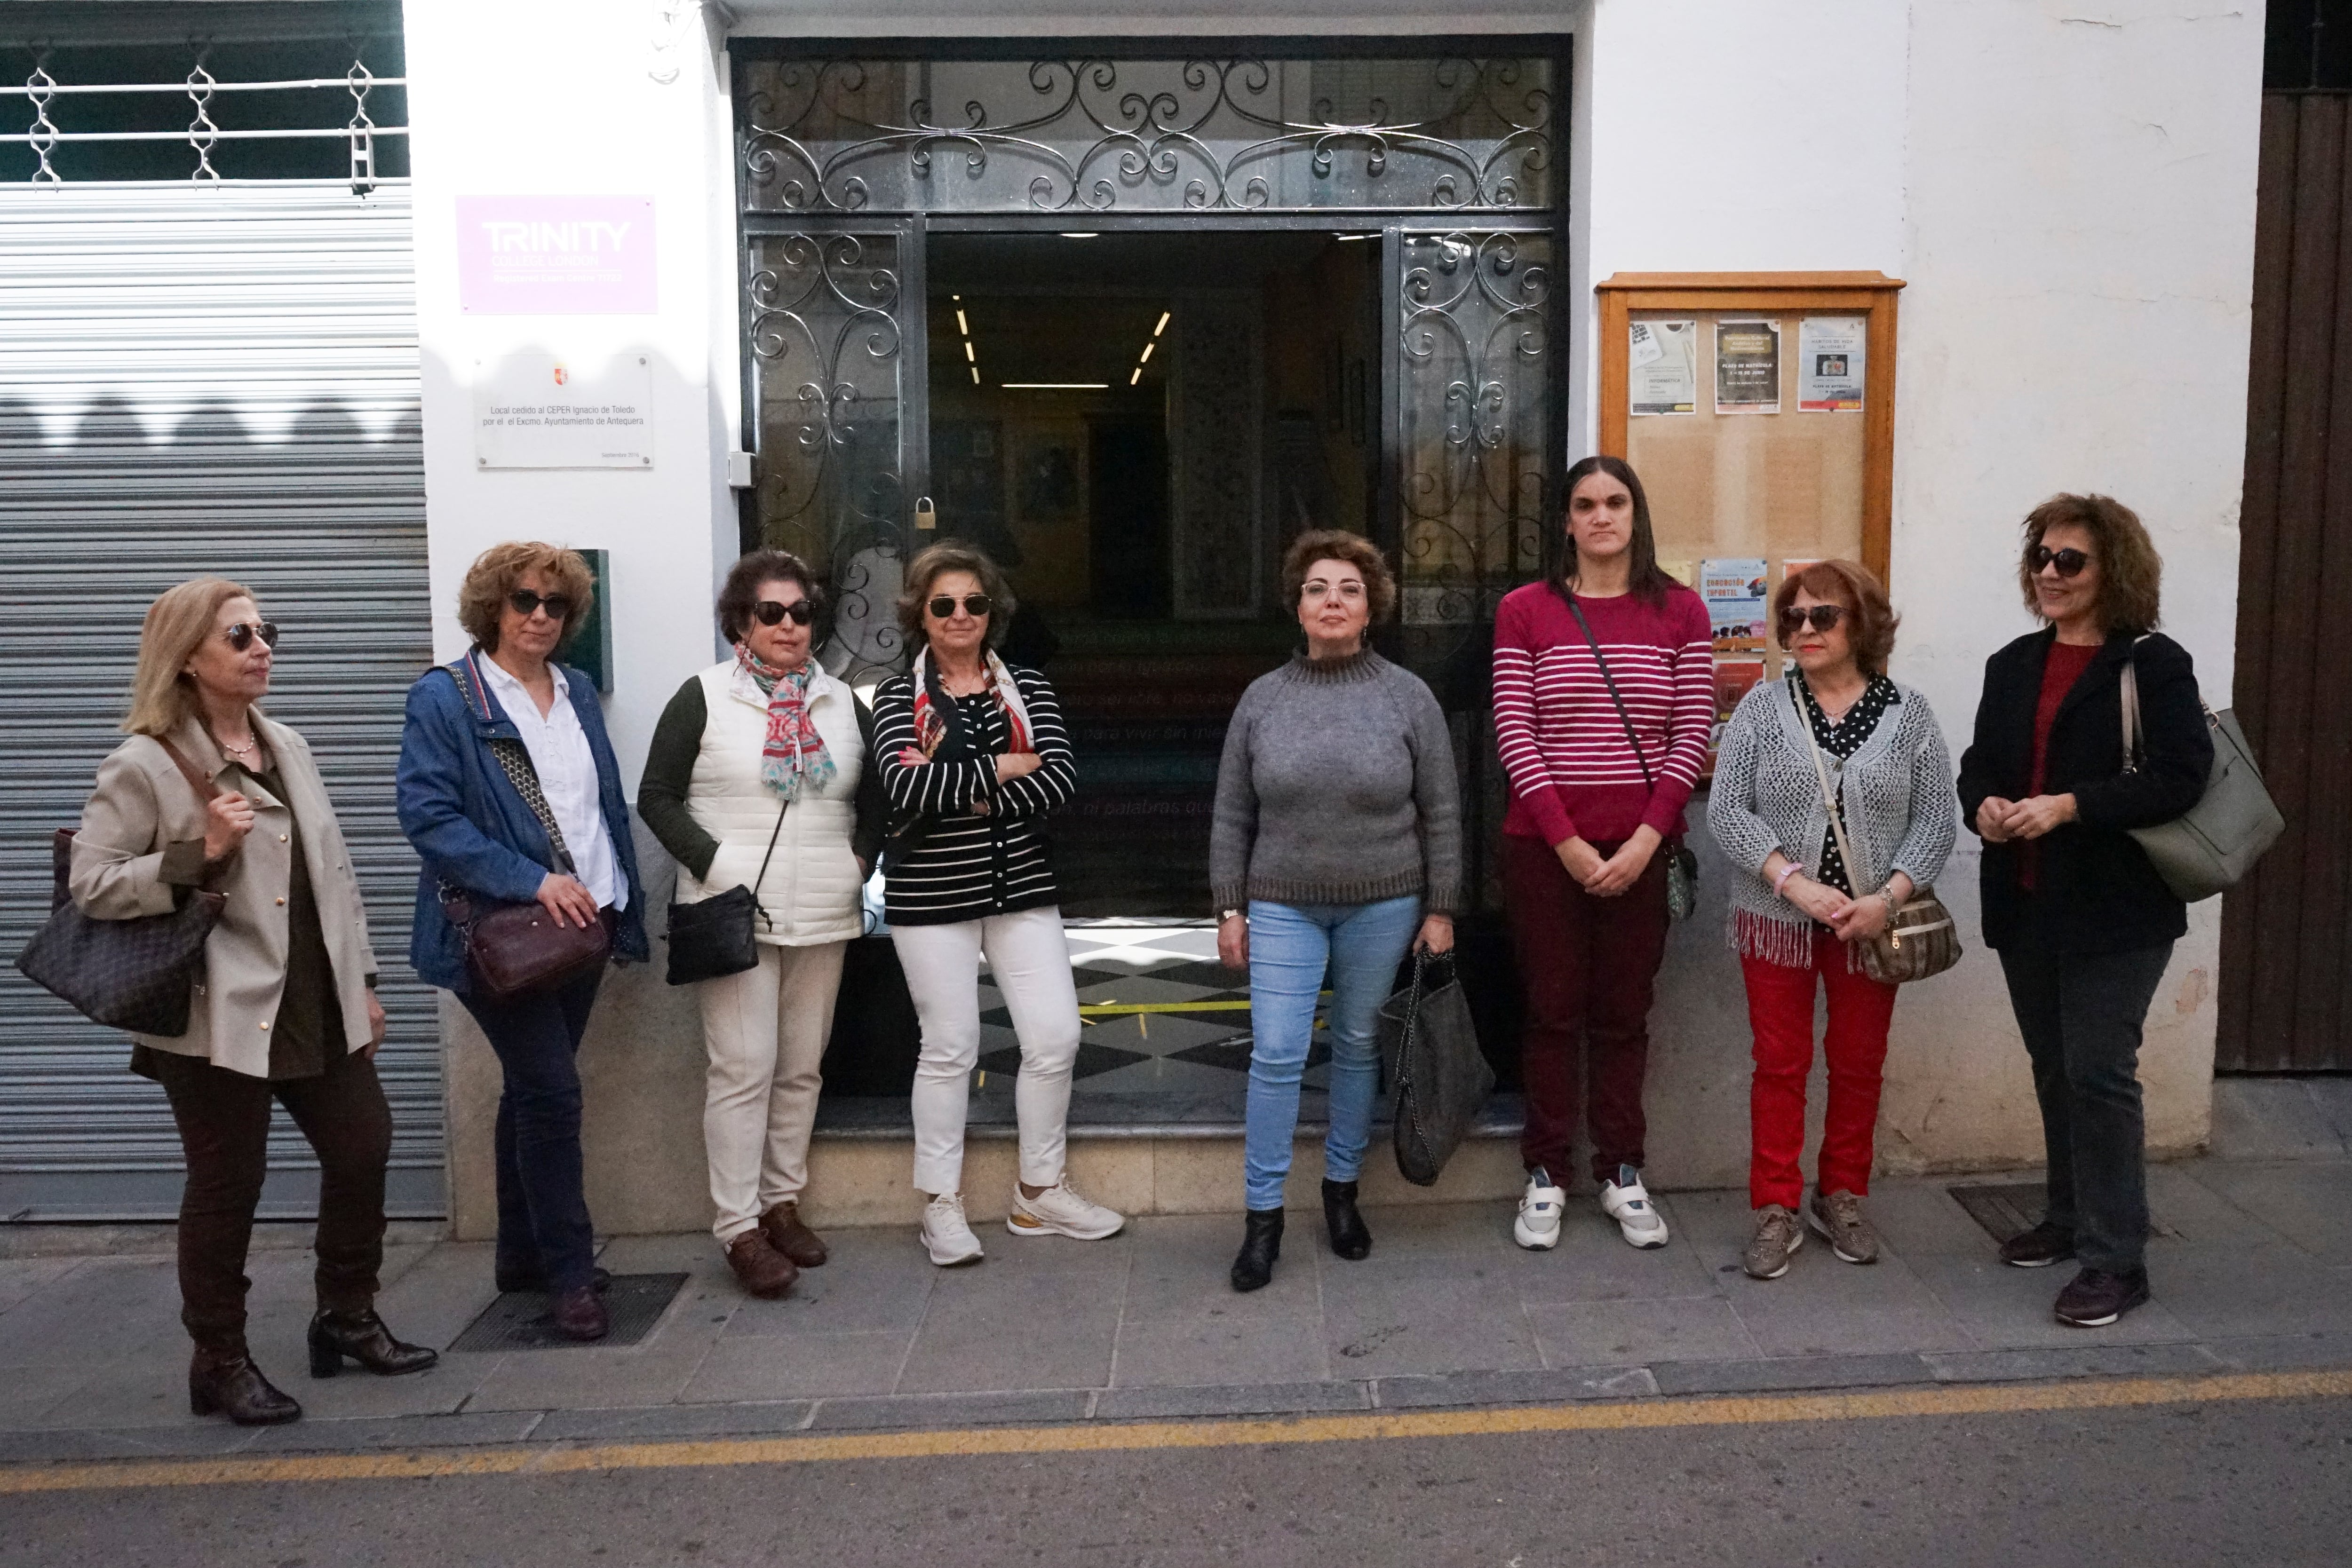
<point>1290,945</point>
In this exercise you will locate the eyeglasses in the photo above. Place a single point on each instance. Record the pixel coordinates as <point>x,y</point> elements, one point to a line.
<point>2069,562</point>
<point>1822,617</point>
<point>975,605</point>
<point>525,602</point>
<point>771,613</point>
<point>1346,588</point>
<point>241,635</point>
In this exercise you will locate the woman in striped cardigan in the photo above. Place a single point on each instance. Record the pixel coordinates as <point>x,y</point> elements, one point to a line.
<point>1599,779</point>
<point>973,755</point>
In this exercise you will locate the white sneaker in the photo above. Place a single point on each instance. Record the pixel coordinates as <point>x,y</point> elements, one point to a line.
<point>1061,1210</point>
<point>1540,1208</point>
<point>1627,1202</point>
<point>947,1235</point>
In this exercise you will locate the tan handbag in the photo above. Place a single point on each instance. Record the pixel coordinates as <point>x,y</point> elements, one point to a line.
<point>1920,939</point>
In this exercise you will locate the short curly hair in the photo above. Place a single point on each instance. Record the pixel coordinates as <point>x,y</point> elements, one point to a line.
<point>1856,587</point>
<point>2131,574</point>
<point>1338,544</point>
<point>935,562</point>
<point>499,571</point>
<point>738,596</point>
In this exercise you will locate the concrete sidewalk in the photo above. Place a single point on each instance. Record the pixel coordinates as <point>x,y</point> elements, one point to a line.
<point>2252,1269</point>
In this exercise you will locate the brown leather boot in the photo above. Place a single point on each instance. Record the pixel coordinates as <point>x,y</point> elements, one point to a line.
<point>362,1336</point>
<point>788,1235</point>
<point>759,1267</point>
<point>226,1383</point>
<point>580,1315</point>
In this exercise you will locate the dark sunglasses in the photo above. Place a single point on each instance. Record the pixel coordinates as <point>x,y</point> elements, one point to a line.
<point>524,601</point>
<point>2069,562</point>
<point>974,604</point>
<point>241,635</point>
<point>771,613</point>
<point>1822,616</point>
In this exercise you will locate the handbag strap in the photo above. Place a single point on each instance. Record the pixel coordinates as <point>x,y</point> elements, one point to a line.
<point>205,788</point>
<point>757,907</point>
<point>1611,681</point>
<point>1821,774</point>
<point>514,762</point>
<point>2135,743</point>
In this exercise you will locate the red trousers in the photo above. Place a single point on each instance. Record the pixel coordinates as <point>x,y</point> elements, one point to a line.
<point>1588,965</point>
<point>1780,1013</point>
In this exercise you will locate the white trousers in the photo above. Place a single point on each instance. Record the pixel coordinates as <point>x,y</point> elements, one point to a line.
<point>1029,963</point>
<point>765,1029</point>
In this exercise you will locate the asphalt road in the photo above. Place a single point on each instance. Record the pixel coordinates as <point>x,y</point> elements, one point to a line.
<point>2253,1482</point>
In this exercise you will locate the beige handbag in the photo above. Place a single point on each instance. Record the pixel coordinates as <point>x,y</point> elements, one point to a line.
<point>1920,939</point>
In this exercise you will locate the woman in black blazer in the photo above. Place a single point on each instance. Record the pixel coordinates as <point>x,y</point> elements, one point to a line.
<point>2082,923</point>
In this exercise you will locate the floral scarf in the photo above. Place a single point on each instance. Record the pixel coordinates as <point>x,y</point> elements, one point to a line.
<point>793,756</point>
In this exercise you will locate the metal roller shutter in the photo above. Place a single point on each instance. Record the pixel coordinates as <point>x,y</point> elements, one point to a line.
<point>198,379</point>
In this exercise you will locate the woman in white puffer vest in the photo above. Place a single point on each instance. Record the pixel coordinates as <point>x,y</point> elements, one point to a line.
<point>768,747</point>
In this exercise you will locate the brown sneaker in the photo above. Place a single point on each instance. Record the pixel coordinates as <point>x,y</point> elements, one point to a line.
<point>1837,1217</point>
<point>782,1226</point>
<point>759,1267</point>
<point>1778,1236</point>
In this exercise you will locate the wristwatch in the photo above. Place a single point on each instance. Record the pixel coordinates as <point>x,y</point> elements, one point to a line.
<point>1226,915</point>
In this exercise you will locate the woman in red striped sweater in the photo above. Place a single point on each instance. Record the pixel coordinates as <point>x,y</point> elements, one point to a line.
<point>1597,785</point>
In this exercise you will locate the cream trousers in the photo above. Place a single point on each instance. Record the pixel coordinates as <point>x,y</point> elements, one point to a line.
<point>765,1029</point>
<point>1029,965</point>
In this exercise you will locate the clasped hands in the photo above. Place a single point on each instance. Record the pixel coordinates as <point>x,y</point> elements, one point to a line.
<point>2001,822</point>
<point>1609,878</point>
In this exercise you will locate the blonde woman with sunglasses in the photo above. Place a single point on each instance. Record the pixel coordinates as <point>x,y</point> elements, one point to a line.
<point>209,793</point>
<point>760,777</point>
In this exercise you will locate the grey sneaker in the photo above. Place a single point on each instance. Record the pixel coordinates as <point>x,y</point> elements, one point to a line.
<point>1778,1236</point>
<point>1836,1217</point>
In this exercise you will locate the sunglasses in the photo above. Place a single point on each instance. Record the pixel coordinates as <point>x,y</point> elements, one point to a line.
<point>2069,562</point>
<point>525,602</point>
<point>768,613</point>
<point>975,605</point>
<point>1822,618</point>
<point>241,635</point>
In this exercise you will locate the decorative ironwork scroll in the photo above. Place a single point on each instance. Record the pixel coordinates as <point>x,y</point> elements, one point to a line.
<point>826,343</point>
<point>1474,416</point>
<point>1098,135</point>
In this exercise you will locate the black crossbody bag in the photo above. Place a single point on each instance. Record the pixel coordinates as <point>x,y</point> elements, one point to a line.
<point>718,935</point>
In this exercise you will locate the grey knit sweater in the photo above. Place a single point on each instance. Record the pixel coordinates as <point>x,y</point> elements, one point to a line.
<point>1336,787</point>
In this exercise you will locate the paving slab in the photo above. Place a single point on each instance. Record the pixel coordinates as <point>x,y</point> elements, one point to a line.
<point>1237,1349</point>
<point>588,1374</point>
<point>20,1277</point>
<point>2238,1292</point>
<point>2005,1308</point>
<point>2309,1206</point>
<point>800,1366</point>
<point>875,1280</point>
<point>2265,1118</point>
<point>1826,1307</point>
<point>1444,1320</point>
<point>1635,1334</point>
<point>2284,1352</point>
<point>1184,1266</point>
<point>1003,1330</point>
<point>2085,1360</point>
<point>675,1421</point>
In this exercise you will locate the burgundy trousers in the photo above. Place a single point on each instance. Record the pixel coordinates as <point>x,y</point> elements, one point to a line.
<point>1588,966</point>
<point>1781,1014</point>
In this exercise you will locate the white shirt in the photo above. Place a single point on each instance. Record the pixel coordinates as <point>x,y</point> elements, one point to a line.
<point>567,777</point>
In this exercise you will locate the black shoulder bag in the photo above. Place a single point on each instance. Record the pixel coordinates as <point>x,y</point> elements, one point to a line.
<point>714,936</point>
<point>1682,865</point>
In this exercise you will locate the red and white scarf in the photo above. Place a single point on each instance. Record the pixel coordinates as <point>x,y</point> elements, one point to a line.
<point>931,726</point>
<point>793,756</point>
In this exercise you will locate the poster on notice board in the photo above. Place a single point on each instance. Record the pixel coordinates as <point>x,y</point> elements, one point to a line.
<point>1734,679</point>
<point>1830,350</point>
<point>1735,589</point>
<point>1748,367</point>
<point>1662,363</point>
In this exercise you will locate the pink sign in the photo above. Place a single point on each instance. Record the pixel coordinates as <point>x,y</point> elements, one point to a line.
<point>555,255</point>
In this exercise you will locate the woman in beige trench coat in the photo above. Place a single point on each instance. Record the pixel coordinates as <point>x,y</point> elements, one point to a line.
<point>286,1008</point>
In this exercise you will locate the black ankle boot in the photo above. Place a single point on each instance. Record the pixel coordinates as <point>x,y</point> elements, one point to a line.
<point>362,1336</point>
<point>226,1383</point>
<point>1261,1245</point>
<point>1350,1239</point>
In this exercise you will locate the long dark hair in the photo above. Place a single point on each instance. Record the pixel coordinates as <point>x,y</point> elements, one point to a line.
<point>1647,580</point>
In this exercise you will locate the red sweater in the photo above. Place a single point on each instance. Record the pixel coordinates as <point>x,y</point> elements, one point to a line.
<point>1573,774</point>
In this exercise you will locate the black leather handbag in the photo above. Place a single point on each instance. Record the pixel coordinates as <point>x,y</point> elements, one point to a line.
<point>139,975</point>
<point>1430,1046</point>
<point>717,935</point>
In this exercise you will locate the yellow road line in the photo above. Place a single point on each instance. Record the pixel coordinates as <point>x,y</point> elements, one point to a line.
<point>1624,1416</point>
<point>1107,1010</point>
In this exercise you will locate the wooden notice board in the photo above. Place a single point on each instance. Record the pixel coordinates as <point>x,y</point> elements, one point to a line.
<point>1790,485</point>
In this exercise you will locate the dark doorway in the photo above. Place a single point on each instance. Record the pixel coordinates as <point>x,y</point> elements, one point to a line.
<point>1128,511</point>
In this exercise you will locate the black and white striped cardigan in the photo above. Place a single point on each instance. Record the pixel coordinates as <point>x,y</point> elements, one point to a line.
<point>971,865</point>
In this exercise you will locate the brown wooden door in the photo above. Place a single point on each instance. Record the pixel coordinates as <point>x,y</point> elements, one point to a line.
<point>2286,932</point>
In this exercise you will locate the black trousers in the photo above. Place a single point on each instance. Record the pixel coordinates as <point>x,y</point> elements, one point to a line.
<point>542,1194</point>
<point>224,1121</point>
<point>2081,1015</point>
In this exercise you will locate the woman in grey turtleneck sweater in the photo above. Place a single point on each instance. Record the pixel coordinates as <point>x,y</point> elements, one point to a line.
<point>1336,840</point>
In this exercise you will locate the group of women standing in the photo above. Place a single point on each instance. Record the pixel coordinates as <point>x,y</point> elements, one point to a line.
<point>1336,852</point>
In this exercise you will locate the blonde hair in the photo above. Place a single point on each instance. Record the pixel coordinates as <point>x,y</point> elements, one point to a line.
<point>499,571</point>
<point>161,696</point>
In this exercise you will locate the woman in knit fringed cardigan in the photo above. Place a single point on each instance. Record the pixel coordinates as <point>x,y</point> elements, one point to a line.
<point>1337,842</point>
<point>1799,910</point>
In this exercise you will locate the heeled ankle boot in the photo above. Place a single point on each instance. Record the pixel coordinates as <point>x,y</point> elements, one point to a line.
<point>362,1336</point>
<point>1350,1238</point>
<point>226,1383</point>
<point>1261,1245</point>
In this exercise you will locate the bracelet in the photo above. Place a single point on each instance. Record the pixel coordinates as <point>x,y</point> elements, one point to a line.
<point>1791,869</point>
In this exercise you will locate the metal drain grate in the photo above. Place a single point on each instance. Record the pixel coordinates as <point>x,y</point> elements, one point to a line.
<point>520,1320</point>
<point>2012,1208</point>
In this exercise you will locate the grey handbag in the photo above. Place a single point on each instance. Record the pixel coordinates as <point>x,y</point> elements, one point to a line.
<point>2210,847</point>
<point>1430,1046</point>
